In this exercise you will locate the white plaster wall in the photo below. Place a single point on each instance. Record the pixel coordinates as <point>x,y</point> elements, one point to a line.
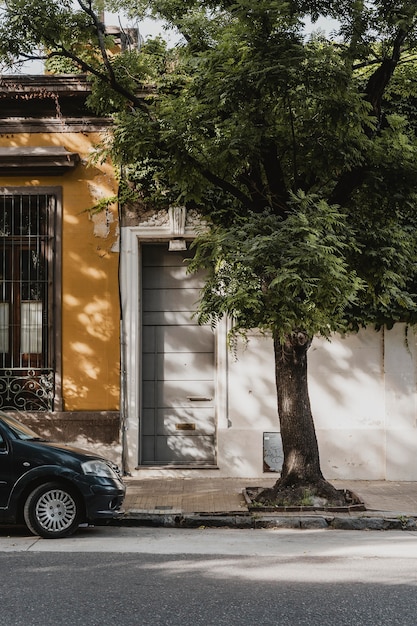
<point>364,401</point>
<point>252,407</point>
<point>400,402</point>
<point>346,378</point>
<point>240,453</point>
<point>251,385</point>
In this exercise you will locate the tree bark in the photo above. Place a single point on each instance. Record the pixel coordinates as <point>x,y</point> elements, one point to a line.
<point>301,467</point>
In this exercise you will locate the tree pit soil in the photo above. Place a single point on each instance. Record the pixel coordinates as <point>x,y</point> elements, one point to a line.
<point>300,499</point>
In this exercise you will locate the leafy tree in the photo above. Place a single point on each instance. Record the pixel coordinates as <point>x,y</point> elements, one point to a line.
<point>299,150</point>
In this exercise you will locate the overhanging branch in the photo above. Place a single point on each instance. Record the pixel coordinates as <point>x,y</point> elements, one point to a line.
<point>100,30</point>
<point>224,185</point>
<point>136,101</point>
<point>380,79</point>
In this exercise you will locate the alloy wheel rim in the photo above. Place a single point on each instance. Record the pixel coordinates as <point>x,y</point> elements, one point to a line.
<point>56,510</point>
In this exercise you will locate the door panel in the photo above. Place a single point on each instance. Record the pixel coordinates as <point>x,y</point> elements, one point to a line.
<point>172,394</point>
<point>177,450</point>
<point>178,393</point>
<point>170,421</point>
<point>166,277</point>
<point>178,366</point>
<point>165,318</point>
<point>171,299</point>
<point>178,423</point>
<point>177,338</point>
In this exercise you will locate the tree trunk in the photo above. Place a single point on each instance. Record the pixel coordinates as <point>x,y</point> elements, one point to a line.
<point>301,453</point>
<point>301,467</point>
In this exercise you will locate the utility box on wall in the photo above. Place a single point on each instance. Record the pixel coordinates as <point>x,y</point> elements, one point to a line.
<point>273,455</point>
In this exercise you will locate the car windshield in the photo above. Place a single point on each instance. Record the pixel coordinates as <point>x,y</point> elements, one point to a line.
<point>19,430</point>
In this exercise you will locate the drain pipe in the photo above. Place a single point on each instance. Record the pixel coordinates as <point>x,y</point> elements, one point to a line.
<point>122,347</point>
<point>123,407</point>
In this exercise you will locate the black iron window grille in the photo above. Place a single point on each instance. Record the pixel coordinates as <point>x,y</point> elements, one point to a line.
<point>26,339</point>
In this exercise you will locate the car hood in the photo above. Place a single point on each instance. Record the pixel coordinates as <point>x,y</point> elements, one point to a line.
<point>80,453</point>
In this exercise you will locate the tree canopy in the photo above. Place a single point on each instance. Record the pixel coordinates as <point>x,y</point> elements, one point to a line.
<point>300,149</point>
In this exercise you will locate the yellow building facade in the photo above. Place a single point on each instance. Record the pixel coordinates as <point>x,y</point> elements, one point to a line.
<point>59,301</point>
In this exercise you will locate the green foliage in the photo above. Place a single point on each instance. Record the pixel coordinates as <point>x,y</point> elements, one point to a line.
<point>47,27</point>
<point>283,274</point>
<point>300,150</point>
<point>61,65</point>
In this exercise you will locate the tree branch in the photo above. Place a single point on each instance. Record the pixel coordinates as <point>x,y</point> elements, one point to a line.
<point>252,179</point>
<point>275,177</point>
<point>100,30</point>
<point>136,101</point>
<point>380,79</point>
<point>353,179</point>
<point>224,185</point>
<point>346,185</point>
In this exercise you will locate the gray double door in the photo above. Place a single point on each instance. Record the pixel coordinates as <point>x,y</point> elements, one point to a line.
<point>178,422</point>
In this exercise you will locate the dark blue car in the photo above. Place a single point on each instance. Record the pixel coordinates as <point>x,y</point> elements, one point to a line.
<point>51,487</point>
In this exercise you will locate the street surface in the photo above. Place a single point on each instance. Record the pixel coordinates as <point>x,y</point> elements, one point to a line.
<point>203,577</point>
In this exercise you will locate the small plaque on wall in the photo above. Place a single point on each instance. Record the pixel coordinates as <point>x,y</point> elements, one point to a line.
<point>273,454</point>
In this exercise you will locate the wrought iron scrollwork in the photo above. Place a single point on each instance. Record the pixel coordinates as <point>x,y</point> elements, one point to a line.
<point>29,390</point>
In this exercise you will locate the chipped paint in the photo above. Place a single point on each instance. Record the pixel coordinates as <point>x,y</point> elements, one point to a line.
<point>102,222</point>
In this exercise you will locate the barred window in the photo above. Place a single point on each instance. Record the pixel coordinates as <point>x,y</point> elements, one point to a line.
<point>26,354</point>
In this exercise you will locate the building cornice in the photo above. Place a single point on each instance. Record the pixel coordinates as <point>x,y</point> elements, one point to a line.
<point>40,160</point>
<point>17,125</point>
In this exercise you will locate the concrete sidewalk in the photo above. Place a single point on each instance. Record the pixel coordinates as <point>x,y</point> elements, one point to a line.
<point>193,502</point>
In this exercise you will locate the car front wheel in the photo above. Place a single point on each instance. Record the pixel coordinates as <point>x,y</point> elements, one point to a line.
<point>52,511</point>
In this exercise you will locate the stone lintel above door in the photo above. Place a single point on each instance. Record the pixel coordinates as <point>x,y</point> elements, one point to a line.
<point>164,223</point>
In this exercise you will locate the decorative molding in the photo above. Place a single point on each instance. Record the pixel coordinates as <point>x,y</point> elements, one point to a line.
<point>195,221</point>
<point>155,219</point>
<point>177,216</point>
<point>133,217</point>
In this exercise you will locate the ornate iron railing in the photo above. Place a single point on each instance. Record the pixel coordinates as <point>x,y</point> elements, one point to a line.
<point>27,231</point>
<point>29,390</point>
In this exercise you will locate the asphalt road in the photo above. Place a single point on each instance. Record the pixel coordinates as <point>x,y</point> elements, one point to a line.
<point>164,577</point>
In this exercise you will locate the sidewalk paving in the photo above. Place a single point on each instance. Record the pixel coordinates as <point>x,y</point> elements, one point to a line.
<point>194,502</point>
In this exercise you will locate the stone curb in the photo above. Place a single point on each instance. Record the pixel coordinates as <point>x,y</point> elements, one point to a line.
<point>257,521</point>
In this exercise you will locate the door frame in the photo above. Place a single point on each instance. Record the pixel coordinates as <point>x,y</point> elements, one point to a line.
<point>131,237</point>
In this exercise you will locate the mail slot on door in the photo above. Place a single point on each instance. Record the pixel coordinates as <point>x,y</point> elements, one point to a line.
<point>185,426</point>
<point>199,399</point>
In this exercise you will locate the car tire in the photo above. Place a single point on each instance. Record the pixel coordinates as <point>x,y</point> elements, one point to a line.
<point>52,511</point>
